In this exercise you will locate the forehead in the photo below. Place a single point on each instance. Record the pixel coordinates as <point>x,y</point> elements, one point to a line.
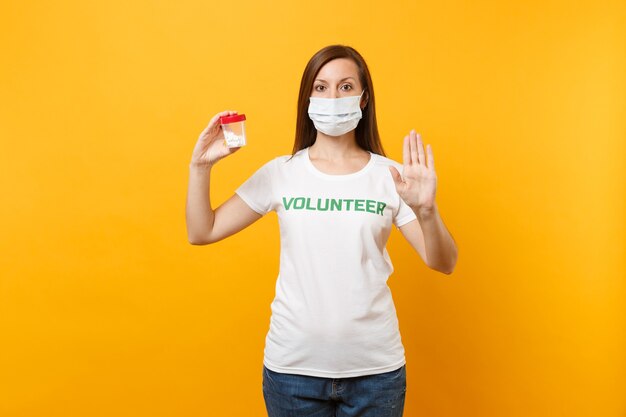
<point>338,69</point>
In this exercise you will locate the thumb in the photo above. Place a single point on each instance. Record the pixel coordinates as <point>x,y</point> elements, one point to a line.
<point>397,178</point>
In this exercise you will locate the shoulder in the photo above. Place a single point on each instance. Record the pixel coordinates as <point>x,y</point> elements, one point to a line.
<point>385,162</point>
<point>285,159</point>
<point>280,161</point>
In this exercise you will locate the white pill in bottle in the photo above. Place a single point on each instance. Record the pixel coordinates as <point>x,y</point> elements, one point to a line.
<point>234,129</point>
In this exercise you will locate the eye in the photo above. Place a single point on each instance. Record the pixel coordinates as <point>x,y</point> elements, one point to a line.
<point>317,87</point>
<point>346,89</point>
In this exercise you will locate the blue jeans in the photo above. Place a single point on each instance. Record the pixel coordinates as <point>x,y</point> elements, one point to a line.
<point>291,395</point>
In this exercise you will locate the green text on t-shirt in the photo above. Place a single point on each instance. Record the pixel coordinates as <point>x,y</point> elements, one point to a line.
<point>334,204</point>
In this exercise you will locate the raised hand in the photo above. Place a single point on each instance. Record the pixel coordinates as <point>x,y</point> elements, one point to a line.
<point>210,146</point>
<point>418,183</point>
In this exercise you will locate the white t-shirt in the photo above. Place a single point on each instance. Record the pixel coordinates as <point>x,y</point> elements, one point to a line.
<point>333,315</point>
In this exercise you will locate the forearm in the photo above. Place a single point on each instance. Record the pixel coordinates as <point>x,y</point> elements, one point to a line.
<point>441,250</point>
<point>199,214</point>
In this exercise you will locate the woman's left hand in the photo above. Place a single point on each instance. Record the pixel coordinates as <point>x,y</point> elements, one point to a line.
<point>418,183</point>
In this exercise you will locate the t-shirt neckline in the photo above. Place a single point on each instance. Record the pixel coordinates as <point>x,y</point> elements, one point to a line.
<point>317,172</point>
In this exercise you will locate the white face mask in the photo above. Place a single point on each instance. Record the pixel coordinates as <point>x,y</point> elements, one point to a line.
<point>335,116</point>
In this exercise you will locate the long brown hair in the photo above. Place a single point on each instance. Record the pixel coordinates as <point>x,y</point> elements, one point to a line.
<point>367,130</point>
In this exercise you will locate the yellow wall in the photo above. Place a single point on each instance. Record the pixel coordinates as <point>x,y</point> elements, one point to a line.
<point>107,310</point>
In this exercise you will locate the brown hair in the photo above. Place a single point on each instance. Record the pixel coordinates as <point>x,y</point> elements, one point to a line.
<point>367,130</point>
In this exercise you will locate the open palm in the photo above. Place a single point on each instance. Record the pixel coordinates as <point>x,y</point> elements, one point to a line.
<point>418,183</point>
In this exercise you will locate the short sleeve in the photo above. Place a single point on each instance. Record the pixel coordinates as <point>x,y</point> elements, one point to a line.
<point>404,214</point>
<point>256,191</point>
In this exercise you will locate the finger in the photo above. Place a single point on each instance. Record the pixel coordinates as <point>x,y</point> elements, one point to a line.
<point>413,145</point>
<point>216,118</point>
<point>406,152</point>
<point>420,149</point>
<point>431,157</point>
<point>395,174</point>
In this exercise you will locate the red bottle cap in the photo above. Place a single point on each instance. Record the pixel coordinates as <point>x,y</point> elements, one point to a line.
<point>232,119</point>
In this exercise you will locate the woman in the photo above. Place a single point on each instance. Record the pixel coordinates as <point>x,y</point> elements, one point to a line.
<point>333,347</point>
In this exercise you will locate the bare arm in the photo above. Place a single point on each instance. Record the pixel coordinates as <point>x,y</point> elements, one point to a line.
<point>417,187</point>
<point>205,225</point>
<point>432,240</point>
<point>412,232</point>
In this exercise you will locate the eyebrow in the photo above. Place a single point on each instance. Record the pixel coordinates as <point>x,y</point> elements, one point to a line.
<point>347,78</point>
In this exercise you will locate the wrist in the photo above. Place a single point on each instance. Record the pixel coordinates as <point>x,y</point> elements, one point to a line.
<point>425,213</point>
<point>201,165</point>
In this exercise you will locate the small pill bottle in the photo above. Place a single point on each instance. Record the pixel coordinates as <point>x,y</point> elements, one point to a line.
<point>234,129</point>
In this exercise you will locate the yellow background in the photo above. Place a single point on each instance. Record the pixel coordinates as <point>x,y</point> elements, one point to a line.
<point>107,310</point>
